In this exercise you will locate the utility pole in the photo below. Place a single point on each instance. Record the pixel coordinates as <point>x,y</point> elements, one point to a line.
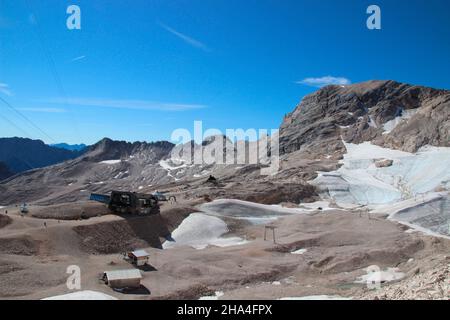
<point>273,232</point>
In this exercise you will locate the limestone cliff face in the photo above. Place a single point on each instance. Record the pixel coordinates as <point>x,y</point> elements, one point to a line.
<point>388,113</point>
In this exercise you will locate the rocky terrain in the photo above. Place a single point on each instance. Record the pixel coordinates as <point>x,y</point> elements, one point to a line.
<point>433,284</point>
<point>363,180</point>
<point>105,165</point>
<point>368,112</point>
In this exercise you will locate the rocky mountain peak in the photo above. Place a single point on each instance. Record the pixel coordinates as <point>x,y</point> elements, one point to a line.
<point>360,113</point>
<point>107,149</point>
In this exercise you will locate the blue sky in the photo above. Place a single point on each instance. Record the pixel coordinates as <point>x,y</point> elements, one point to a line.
<point>137,70</point>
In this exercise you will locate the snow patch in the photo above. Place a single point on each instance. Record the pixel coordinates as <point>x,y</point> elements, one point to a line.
<point>121,175</point>
<point>313,206</point>
<point>111,161</point>
<point>172,164</point>
<point>83,295</point>
<point>202,174</point>
<point>406,115</point>
<point>299,251</point>
<point>217,295</point>
<point>372,122</point>
<point>199,231</point>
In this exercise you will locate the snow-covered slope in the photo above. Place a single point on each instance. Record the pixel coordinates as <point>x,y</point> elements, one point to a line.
<point>360,181</point>
<point>199,231</point>
<point>412,190</point>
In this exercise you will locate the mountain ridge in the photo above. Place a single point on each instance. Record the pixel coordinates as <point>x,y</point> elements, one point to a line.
<point>358,112</point>
<point>22,154</point>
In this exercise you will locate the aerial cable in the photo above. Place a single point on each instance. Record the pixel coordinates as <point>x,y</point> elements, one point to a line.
<point>26,119</point>
<point>16,126</point>
<point>50,61</point>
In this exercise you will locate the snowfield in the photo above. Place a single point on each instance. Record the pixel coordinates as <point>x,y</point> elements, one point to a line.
<point>199,231</point>
<point>413,190</point>
<point>360,181</point>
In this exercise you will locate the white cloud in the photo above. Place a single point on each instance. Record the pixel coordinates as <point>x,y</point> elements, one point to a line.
<point>324,81</point>
<point>78,58</point>
<point>189,40</point>
<point>126,104</point>
<point>45,110</point>
<point>4,88</point>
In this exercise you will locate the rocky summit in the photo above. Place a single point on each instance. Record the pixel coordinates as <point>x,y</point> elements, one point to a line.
<point>388,113</point>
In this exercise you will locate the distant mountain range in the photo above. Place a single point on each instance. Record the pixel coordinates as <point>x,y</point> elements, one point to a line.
<point>21,154</point>
<point>71,147</point>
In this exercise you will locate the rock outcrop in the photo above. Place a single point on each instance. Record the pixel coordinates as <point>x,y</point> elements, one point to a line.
<point>388,113</point>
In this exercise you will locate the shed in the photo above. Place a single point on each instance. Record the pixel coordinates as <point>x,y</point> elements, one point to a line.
<point>130,278</point>
<point>139,257</point>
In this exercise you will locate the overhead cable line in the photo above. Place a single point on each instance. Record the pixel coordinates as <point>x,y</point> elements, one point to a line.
<point>50,61</point>
<point>26,119</point>
<point>15,126</point>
